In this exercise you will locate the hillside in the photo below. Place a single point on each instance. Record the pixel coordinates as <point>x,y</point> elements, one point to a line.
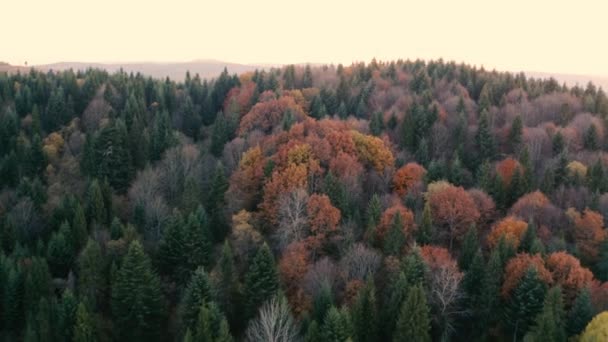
<point>389,201</point>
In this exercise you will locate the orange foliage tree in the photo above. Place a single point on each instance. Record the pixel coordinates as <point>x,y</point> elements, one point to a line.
<point>407,176</point>
<point>281,182</point>
<point>293,266</point>
<point>588,234</point>
<point>267,115</point>
<point>246,181</point>
<point>323,219</point>
<point>507,168</point>
<point>567,271</point>
<point>453,208</point>
<point>407,218</point>
<point>511,228</point>
<point>517,267</point>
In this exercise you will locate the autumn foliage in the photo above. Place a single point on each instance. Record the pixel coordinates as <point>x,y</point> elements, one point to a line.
<point>323,219</point>
<point>518,266</point>
<point>567,272</point>
<point>507,168</point>
<point>588,233</point>
<point>407,219</point>
<point>511,228</point>
<point>406,177</point>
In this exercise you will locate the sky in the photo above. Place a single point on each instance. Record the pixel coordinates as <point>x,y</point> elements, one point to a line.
<point>517,35</point>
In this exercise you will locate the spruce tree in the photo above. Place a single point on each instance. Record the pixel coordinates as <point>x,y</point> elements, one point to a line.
<point>413,323</point>
<point>550,323</point>
<point>581,313</point>
<point>425,232</point>
<point>84,329</point>
<point>413,267</point>
<point>335,326</point>
<point>558,144</point>
<point>91,274</point>
<point>398,291</point>
<point>470,247</point>
<point>515,133</point>
<point>364,315</point>
<point>485,138</point>
<point>226,288</point>
<point>395,238</point>
<point>60,252</point>
<point>525,303</point>
<point>96,211</point>
<point>376,124</point>
<point>196,294</point>
<point>591,139</point>
<point>137,301</point>
<point>261,280</point>
<point>215,203</point>
<point>601,267</point>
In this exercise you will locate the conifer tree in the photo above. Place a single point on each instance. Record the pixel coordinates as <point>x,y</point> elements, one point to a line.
<point>550,323</point>
<point>398,292</point>
<point>376,124</point>
<point>525,303</point>
<point>413,323</point>
<point>96,210</point>
<point>591,140</point>
<point>470,246</point>
<point>335,326</point>
<point>91,274</point>
<point>226,289</point>
<point>215,203</point>
<point>84,329</point>
<point>601,267</point>
<point>261,280</point>
<point>196,294</point>
<point>515,133</point>
<point>414,268</point>
<point>485,138</point>
<point>425,232</point>
<point>581,313</point>
<point>364,315</point>
<point>395,238</point>
<point>137,300</point>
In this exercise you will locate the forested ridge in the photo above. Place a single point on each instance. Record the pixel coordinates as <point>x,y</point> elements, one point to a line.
<point>388,201</point>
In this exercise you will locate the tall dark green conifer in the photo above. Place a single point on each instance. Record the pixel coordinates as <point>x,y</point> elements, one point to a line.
<point>525,303</point>
<point>261,280</point>
<point>364,316</point>
<point>414,323</point>
<point>138,305</point>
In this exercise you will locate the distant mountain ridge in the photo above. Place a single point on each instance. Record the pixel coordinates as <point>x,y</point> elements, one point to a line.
<point>209,68</point>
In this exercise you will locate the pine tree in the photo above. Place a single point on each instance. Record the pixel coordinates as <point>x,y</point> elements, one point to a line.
<point>91,274</point>
<point>364,315</point>
<point>425,232</point>
<point>472,284</point>
<point>490,291</point>
<point>88,166</point>
<point>414,268</point>
<point>261,280</point>
<point>335,326</point>
<point>470,247</point>
<point>215,203</point>
<point>60,252</point>
<point>591,140</point>
<point>226,289</point>
<point>485,138</point>
<point>398,292</point>
<point>413,323</point>
<point>527,241</point>
<point>601,267</point>
<point>113,156</point>
<point>558,143</point>
<point>313,333</point>
<point>376,124</point>
<point>549,324</point>
<point>322,302</point>
<point>196,294</point>
<point>372,214</point>
<point>219,135</point>
<point>173,254</point>
<point>198,239</point>
<point>96,210</point>
<point>581,313</point>
<point>395,238</point>
<point>67,316</point>
<point>79,227</point>
<point>137,301</point>
<point>515,133</point>
<point>84,329</point>
<point>525,303</point>
<point>307,77</point>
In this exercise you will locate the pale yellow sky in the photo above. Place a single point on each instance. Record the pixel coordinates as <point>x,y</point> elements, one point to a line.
<point>532,35</point>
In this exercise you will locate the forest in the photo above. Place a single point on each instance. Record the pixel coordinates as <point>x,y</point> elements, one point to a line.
<point>381,201</point>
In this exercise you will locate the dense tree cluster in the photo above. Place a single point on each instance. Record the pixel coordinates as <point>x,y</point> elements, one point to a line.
<point>389,201</point>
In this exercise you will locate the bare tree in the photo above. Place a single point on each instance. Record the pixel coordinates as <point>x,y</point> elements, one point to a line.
<point>446,295</point>
<point>360,262</point>
<point>274,323</point>
<point>292,217</point>
<point>324,273</point>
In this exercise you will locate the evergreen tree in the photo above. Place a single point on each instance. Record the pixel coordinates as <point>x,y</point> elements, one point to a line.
<point>88,165</point>
<point>84,329</point>
<point>219,135</point>
<point>549,325</point>
<point>195,295</point>
<point>472,286</point>
<point>398,292</point>
<point>414,268</point>
<point>591,140</point>
<point>485,138</point>
<point>173,254</point>
<point>60,252</point>
<point>162,135</point>
<point>226,289</point>
<point>322,302</point>
<point>313,333</point>
<point>335,326</point>
<point>470,247</point>
<point>91,278</point>
<point>372,214</point>
<point>261,280</point>
<point>365,315</point>
<point>113,156</point>
<point>515,133</point>
<point>96,210</point>
<point>376,124</point>
<point>601,267</point>
<point>490,291</point>
<point>413,323</point>
<point>558,144</point>
<point>137,300</point>
<point>525,303</point>
<point>37,283</point>
<point>79,227</point>
<point>425,232</point>
<point>581,313</point>
<point>215,203</point>
<point>395,238</point>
